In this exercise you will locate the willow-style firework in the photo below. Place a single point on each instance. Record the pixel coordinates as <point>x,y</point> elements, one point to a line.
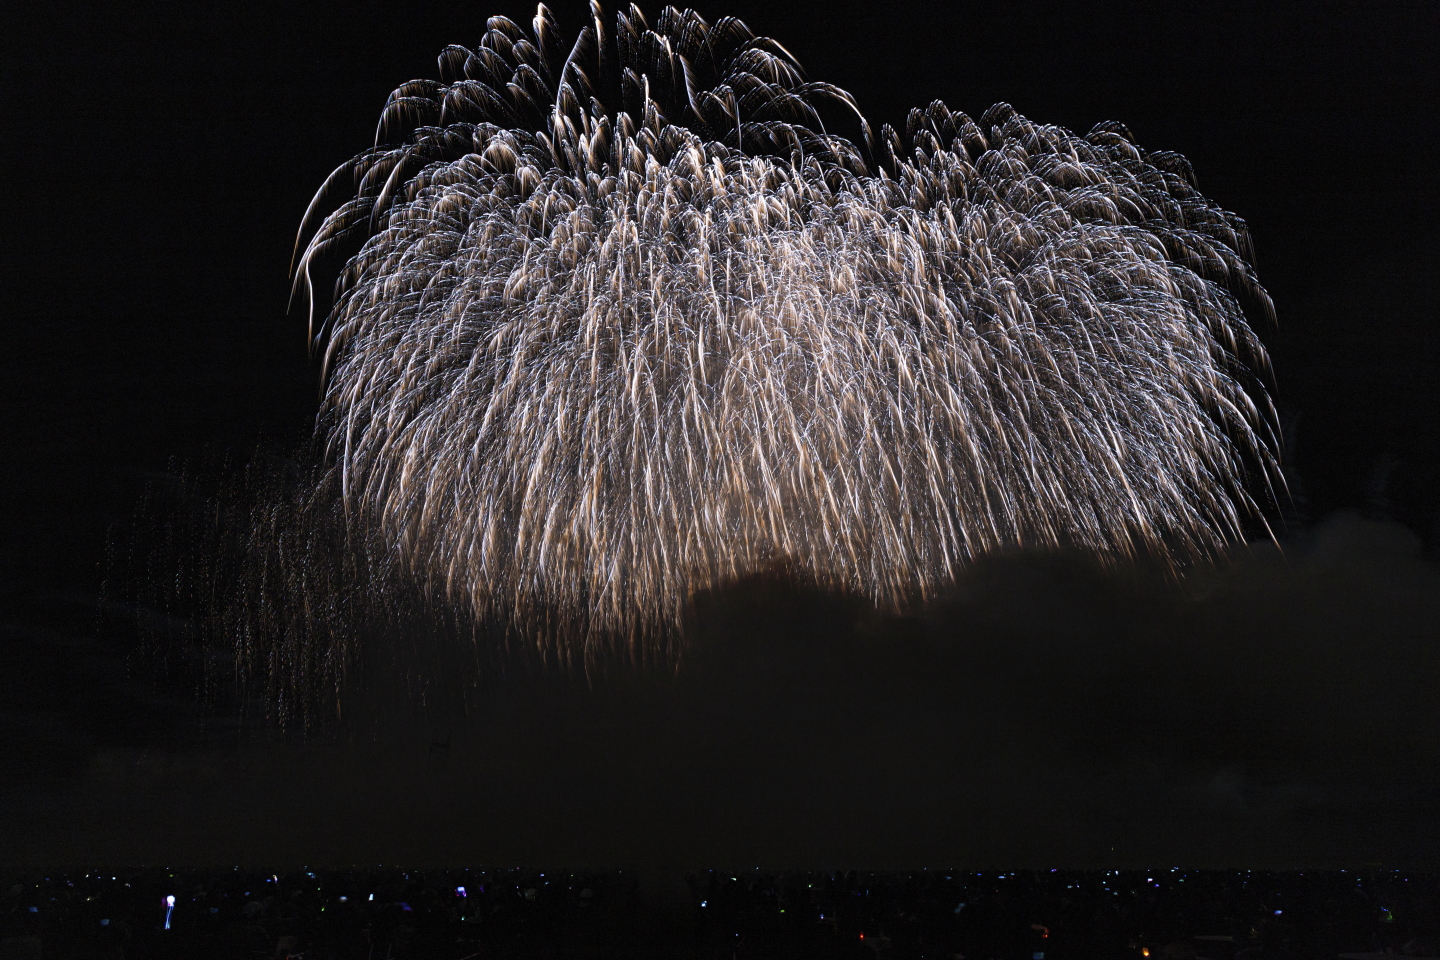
<point>627,320</point>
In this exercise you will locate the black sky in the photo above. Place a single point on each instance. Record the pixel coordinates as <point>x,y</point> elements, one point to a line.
<point>158,159</point>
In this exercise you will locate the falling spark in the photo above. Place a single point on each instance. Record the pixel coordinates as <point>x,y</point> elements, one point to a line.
<point>623,320</point>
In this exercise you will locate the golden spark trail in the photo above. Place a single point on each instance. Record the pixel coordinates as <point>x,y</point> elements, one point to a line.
<point>623,320</point>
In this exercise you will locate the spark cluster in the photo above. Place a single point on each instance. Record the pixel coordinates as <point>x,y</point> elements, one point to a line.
<point>623,319</point>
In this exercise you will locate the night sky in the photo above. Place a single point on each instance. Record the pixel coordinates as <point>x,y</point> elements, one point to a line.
<point>158,160</point>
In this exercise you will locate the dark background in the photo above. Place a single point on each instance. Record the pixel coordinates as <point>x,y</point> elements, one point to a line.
<point>157,161</point>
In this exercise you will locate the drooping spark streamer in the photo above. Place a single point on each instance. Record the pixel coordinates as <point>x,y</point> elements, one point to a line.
<point>624,320</point>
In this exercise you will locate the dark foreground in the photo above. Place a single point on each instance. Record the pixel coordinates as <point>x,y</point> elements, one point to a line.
<point>484,914</point>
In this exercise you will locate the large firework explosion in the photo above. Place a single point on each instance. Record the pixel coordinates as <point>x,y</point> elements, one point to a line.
<point>625,319</point>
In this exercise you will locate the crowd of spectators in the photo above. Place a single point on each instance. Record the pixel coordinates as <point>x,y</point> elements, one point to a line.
<point>391,913</point>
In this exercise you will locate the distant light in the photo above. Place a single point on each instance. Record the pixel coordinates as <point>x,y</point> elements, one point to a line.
<point>214,909</point>
<point>344,899</point>
<point>705,903</point>
<point>459,891</point>
<point>1145,951</point>
<point>34,909</point>
<point>1278,912</point>
<point>170,901</point>
<point>105,922</point>
<point>372,896</point>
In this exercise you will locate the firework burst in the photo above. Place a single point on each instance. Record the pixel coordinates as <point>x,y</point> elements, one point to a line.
<point>623,319</point>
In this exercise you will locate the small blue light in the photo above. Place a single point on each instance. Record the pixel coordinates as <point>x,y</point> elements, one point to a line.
<point>105,922</point>
<point>1278,912</point>
<point>704,902</point>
